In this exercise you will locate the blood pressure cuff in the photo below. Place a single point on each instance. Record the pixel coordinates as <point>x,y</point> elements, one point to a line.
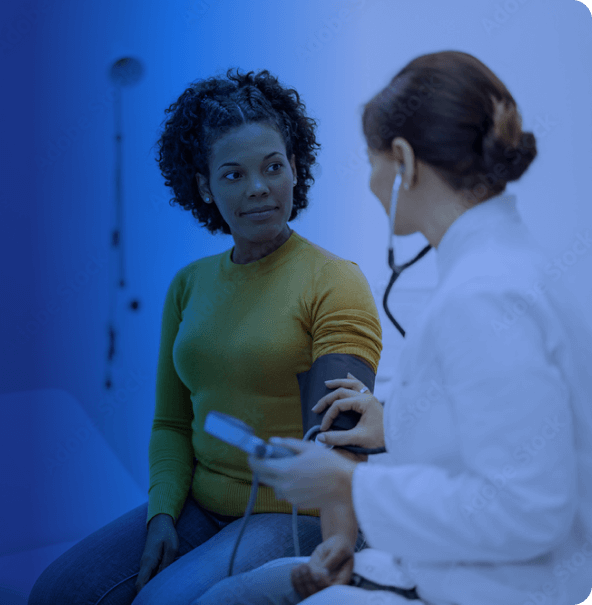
<point>312,388</point>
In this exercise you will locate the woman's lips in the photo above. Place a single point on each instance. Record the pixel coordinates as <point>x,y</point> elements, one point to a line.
<point>260,216</point>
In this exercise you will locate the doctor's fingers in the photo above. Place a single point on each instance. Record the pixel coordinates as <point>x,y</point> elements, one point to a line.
<point>329,398</point>
<point>266,471</point>
<point>351,383</point>
<point>345,403</point>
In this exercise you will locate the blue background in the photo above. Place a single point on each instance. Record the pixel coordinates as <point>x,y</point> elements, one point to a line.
<point>74,455</point>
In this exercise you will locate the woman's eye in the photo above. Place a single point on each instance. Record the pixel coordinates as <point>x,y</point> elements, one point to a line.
<point>228,174</point>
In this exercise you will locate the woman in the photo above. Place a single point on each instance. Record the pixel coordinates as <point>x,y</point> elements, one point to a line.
<point>485,496</point>
<point>238,330</point>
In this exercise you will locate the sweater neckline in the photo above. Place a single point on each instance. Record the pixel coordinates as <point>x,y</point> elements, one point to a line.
<point>237,272</point>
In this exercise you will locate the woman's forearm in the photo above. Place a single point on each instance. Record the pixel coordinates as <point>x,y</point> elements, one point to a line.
<point>170,457</point>
<point>339,518</point>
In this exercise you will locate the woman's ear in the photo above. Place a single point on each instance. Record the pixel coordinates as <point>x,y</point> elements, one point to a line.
<point>202,187</point>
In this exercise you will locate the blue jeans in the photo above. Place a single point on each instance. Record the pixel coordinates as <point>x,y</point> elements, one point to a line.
<point>271,585</point>
<point>268,585</point>
<point>102,568</point>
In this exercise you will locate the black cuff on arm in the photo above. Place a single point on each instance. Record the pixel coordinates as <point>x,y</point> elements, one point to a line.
<point>312,387</point>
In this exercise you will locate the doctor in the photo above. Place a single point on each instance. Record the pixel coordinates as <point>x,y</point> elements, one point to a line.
<point>485,494</point>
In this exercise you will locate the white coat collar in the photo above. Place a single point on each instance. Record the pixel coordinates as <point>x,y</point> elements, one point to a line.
<point>474,226</point>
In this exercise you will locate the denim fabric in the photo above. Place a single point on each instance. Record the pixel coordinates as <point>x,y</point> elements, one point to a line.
<point>271,585</point>
<point>267,585</point>
<point>102,568</point>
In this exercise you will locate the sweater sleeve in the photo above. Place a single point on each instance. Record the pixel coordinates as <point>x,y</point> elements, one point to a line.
<point>344,315</point>
<point>514,496</point>
<point>170,451</point>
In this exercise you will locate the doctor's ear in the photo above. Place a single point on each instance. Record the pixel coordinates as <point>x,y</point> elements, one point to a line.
<point>403,154</point>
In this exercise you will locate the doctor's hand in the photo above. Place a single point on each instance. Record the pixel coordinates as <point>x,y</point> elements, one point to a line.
<point>314,478</point>
<point>332,562</point>
<point>369,432</point>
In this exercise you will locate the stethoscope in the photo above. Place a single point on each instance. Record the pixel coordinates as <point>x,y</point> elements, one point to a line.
<point>397,269</point>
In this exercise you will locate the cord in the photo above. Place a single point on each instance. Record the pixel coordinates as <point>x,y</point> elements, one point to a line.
<point>250,506</point>
<point>310,434</point>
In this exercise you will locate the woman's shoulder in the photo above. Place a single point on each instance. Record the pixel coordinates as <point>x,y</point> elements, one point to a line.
<point>189,273</point>
<point>322,258</point>
<point>327,268</point>
<point>314,250</point>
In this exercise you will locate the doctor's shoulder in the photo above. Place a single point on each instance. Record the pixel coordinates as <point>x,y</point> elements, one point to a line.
<point>499,271</point>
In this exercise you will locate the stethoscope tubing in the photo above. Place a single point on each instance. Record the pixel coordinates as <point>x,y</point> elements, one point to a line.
<point>397,269</point>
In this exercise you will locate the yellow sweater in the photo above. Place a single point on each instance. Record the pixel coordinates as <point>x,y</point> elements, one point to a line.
<point>233,339</point>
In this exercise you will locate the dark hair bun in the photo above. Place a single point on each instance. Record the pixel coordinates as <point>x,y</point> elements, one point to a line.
<point>458,117</point>
<point>507,151</point>
<point>508,162</point>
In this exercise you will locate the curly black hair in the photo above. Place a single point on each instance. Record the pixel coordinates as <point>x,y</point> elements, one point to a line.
<point>210,108</point>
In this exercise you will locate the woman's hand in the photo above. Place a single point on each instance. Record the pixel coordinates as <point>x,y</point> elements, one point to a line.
<point>331,563</point>
<point>369,432</point>
<point>162,545</point>
<point>314,478</point>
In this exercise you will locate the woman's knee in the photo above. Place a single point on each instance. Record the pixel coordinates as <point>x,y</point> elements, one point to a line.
<point>45,590</point>
<point>59,582</point>
<point>67,586</point>
<point>100,564</point>
<point>269,584</point>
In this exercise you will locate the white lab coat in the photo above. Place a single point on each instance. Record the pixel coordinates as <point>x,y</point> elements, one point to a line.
<point>485,495</point>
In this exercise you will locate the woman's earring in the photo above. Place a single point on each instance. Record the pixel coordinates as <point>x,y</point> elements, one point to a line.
<point>406,186</point>
<point>295,181</point>
<point>207,199</point>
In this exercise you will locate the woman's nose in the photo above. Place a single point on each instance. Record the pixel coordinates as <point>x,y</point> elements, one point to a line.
<point>257,186</point>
